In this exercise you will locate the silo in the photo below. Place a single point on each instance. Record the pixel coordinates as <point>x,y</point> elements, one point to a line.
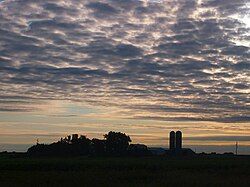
<point>178,140</point>
<point>172,140</point>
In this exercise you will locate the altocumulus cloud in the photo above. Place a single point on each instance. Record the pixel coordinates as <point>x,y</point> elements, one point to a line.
<point>162,60</point>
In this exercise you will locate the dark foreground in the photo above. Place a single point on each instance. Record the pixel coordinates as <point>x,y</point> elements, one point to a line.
<point>148,171</point>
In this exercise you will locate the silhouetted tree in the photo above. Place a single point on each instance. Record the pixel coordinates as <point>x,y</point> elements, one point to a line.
<point>82,145</point>
<point>114,144</point>
<point>98,147</point>
<point>74,138</point>
<point>68,146</point>
<point>117,143</point>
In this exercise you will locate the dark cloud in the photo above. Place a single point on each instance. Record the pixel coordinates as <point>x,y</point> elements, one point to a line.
<point>102,9</point>
<point>185,60</point>
<point>127,50</point>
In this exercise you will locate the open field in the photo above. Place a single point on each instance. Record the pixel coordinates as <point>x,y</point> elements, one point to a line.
<point>149,171</point>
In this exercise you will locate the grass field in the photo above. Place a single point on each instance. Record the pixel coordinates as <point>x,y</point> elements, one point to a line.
<point>149,171</point>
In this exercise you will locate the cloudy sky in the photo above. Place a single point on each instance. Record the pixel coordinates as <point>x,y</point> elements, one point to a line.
<point>143,67</point>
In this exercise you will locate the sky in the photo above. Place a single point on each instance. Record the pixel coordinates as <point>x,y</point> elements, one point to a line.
<point>143,67</point>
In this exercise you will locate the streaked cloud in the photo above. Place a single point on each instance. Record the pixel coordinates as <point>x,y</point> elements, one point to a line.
<point>170,60</point>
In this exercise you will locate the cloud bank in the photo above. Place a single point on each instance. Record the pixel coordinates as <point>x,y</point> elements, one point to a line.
<point>185,60</point>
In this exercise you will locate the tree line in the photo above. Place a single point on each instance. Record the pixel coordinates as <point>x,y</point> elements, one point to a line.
<point>113,144</point>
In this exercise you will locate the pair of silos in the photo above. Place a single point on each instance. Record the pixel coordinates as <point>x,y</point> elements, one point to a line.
<point>175,140</point>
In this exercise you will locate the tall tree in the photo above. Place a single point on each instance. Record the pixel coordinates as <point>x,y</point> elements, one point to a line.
<point>117,143</point>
